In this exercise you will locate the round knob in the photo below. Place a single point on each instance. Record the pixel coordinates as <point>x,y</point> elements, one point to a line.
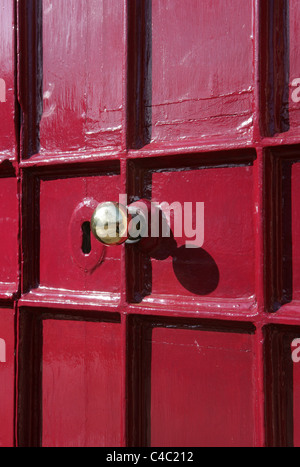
<point>110,222</point>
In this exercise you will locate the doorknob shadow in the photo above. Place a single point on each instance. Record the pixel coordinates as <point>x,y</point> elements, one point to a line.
<point>196,270</point>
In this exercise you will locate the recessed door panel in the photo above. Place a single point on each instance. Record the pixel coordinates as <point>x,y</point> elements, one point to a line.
<point>295,207</point>
<point>71,261</point>
<point>284,170</point>
<point>195,94</point>
<point>201,389</point>
<point>7,377</point>
<point>8,235</point>
<point>81,384</point>
<point>207,252</point>
<point>82,75</point>
<point>193,384</point>
<point>7,80</point>
<point>282,383</point>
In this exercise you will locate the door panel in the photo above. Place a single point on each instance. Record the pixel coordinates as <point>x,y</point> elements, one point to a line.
<point>82,83</point>
<point>213,367</point>
<point>291,223</point>
<point>283,176</point>
<point>7,371</point>
<point>7,81</point>
<point>72,275</point>
<point>8,232</point>
<point>182,266</point>
<point>191,383</point>
<point>282,385</point>
<point>81,384</point>
<point>65,263</point>
<point>193,88</point>
<point>70,378</point>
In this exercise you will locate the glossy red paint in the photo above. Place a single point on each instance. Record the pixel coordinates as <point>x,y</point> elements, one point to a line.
<point>7,371</point>
<point>132,345</point>
<point>186,365</point>
<point>195,273</point>
<point>191,93</point>
<point>8,233</point>
<point>8,150</point>
<point>7,82</point>
<point>63,265</point>
<point>82,83</point>
<point>86,368</point>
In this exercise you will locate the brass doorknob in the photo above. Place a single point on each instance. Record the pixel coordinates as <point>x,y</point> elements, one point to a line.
<point>110,222</point>
<point>114,223</point>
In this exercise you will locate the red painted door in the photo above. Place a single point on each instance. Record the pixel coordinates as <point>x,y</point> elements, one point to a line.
<point>188,340</point>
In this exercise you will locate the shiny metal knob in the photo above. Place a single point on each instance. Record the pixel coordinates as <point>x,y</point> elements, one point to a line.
<point>110,223</point>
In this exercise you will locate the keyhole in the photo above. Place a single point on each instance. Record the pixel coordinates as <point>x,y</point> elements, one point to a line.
<point>86,238</point>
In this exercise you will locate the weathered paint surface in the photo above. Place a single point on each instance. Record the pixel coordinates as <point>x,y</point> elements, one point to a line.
<point>81,384</point>
<point>7,81</point>
<point>154,343</point>
<point>82,75</point>
<point>7,370</point>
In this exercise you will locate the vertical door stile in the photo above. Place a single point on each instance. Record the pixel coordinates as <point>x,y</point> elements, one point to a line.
<point>259,366</point>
